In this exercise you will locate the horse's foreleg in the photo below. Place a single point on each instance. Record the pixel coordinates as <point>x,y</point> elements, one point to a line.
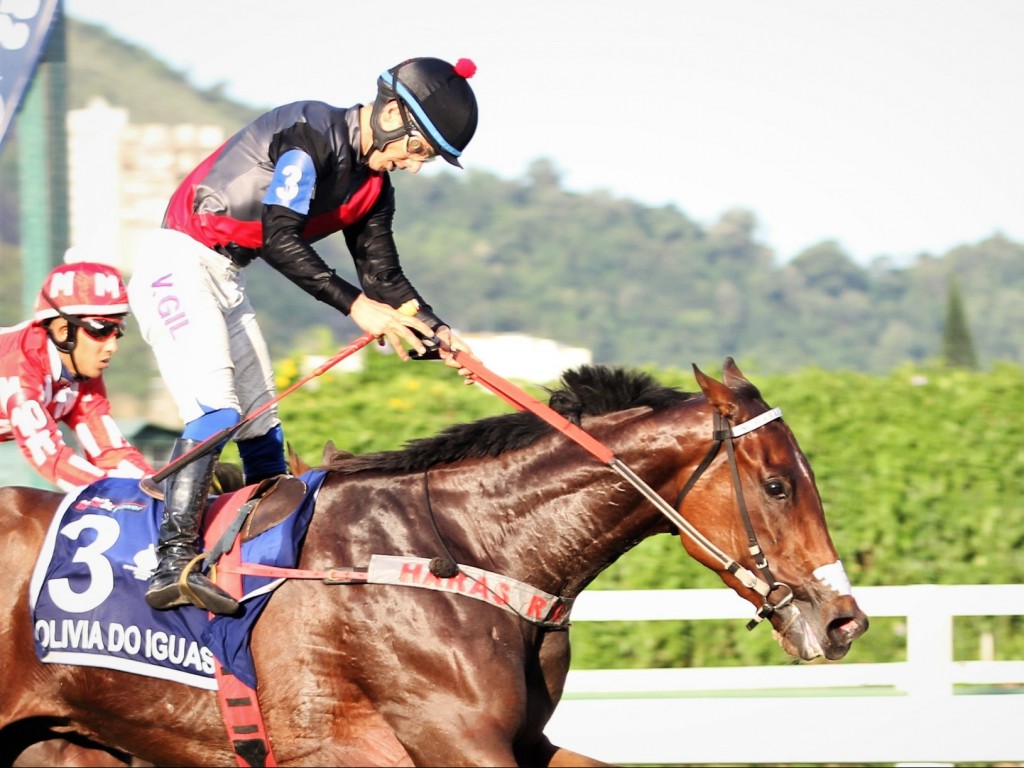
<point>566,757</point>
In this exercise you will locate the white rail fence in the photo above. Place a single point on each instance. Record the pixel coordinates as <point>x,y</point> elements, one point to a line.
<point>905,712</point>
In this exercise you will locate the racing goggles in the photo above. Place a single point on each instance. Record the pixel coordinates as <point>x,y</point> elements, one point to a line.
<point>416,144</point>
<point>418,147</point>
<point>101,328</point>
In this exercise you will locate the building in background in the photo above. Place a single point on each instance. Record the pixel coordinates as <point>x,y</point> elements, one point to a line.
<point>528,358</point>
<point>121,175</point>
<point>510,355</point>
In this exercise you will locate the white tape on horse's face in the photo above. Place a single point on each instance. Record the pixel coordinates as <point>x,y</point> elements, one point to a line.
<point>834,575</point>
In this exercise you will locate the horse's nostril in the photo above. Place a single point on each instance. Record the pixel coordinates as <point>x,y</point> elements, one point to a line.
<point>845,629</point>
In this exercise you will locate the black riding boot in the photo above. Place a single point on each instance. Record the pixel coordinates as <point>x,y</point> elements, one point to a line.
<point>185,494</point>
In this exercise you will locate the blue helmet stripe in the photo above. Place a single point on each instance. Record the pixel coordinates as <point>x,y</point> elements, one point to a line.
<point>421,117</point>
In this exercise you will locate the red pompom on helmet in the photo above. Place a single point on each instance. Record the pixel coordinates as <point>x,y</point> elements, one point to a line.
<point>82,289</point>
<point>465,68</point>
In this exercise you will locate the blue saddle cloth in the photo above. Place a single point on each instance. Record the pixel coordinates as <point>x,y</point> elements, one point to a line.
<point>87,594</point>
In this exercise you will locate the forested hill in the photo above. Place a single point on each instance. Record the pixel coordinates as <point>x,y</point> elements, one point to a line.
<point>639,284</point>
<point>634,283</point>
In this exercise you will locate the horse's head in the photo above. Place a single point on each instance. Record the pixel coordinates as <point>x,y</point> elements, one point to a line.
<point>776,510</point>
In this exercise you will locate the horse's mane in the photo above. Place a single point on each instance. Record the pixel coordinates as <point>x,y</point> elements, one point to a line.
<point>590,390</point>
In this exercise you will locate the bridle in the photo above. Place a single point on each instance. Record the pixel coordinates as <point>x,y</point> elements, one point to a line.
<point>723,432</point>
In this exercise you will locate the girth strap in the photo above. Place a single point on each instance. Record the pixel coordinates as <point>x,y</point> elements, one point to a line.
<point>239,704</point>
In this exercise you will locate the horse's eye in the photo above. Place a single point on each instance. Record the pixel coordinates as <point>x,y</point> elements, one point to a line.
<point>775,489</point>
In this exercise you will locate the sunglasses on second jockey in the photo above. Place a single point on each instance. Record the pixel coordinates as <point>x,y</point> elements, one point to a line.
<point>101,328</point>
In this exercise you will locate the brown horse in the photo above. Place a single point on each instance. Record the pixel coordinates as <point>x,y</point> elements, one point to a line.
<point>391,675</point>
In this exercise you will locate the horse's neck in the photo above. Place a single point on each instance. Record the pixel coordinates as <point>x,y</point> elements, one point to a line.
<point>559,517</point>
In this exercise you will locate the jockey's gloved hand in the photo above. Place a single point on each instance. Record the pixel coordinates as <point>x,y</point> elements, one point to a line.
<point>433,349</point>
<point>427,316</point>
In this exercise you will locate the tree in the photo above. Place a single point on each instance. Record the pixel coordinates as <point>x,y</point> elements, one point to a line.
<point>829,270</point>
<point>957,346</point>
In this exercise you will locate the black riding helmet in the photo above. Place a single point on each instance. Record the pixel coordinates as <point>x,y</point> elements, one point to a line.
<point>435,100</point>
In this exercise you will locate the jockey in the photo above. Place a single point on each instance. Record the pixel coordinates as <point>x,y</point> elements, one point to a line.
<point>51,370</point>
<point>291,177</point>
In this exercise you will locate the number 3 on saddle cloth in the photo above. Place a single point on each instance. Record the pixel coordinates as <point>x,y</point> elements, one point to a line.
<point>87,594</point>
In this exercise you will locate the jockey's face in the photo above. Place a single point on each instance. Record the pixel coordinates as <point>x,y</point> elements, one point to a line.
<point>91,355</point>
<point>407,153</point>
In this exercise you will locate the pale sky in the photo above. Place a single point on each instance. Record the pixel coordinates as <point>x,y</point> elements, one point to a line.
<point>894,127</point>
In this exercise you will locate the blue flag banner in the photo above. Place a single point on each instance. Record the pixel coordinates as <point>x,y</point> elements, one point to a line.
<point>87,594</point>
<point>24,28</point>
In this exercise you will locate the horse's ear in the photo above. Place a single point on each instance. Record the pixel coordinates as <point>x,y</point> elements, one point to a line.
<point>295,463</point>
<point>329,451</point>
<point>717,393</point>
<point>733,376</point>
<point>736,381</point>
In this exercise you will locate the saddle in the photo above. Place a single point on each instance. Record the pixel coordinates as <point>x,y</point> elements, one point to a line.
<point>269,502</point>
<point>260,508</point>
<point>273,500</point>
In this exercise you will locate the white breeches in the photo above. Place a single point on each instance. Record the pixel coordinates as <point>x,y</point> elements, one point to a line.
<point>192,309</point>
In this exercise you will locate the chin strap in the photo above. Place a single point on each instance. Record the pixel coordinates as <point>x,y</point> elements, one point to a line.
<point>382,138</point>
<point>68,345</point>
